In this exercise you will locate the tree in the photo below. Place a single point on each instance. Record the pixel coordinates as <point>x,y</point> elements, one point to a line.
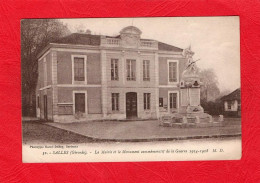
<point>209,89</point>
<point>35,35</point>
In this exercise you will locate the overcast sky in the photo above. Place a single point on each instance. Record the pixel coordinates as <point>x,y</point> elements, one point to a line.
<point>215,40</point>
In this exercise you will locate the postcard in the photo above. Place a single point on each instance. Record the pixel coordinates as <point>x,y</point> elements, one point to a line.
<point>131,89</point>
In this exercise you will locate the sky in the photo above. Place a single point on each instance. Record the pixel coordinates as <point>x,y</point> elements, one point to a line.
<point>215,40</point>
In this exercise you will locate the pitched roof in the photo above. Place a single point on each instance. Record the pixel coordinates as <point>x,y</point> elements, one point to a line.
<point>167,47</point>
<point>83,39</point>
<point>235,95</point>
<point>94,40</point>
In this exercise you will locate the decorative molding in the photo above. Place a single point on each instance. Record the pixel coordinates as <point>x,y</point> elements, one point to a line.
<point>83,50</point>
<point>168,86</point>
<point>104,82</point>
<point>76,46</point>
<point>177,102</point>
<point>46,87</point>
<point>113,52</point>
<point>99,85</point>
<point>54,83</point>
<point>86,100</point>
<point>130,49</point>
<point>65,103</point>
<point>123,86</point>
<point>147,54</point>
<point>44,55</point>
<point>177,71</point>
<point>85,69</point>
<point>78,85</point>
<point>123,69</point>
<point>54,67</point>
<point>156,73</point>
<point>169,55</point>
<point>170,52</point>
<point>45,72</point>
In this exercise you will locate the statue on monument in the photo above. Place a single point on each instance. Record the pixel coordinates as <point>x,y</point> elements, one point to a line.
<point>190,112</point>
<point>191,67</point>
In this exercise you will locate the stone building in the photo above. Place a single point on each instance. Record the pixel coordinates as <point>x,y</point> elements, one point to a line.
<point>232,103</point>
<point>91,77</point>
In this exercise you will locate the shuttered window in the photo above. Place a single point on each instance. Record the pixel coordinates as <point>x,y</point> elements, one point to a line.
<point>79,69</point>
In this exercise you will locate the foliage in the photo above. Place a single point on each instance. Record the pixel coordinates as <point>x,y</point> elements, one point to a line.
<point>209,89</point>
<point>210,92</point>
<point>212,108</point>
<point>35,35</point>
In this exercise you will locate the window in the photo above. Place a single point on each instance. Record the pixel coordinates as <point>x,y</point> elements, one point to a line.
<point>80,102</point>
<point>147,97</point>
<point>160,102</point>
<point>173,71</point>
<point>79,69</point>
<point>45,71</point>
<point>130,66</point>
<point>115,101</point>
<point>173,100</point>
<point>146,70</point>
<point>229,104</point>
<point>114,69</point>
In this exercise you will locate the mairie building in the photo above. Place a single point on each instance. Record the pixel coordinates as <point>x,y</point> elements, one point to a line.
<point>84,77</point>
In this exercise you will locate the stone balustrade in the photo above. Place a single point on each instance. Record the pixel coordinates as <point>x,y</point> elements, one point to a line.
<point>116,42</point>
<point>148,44</point>
<point>113,41</point>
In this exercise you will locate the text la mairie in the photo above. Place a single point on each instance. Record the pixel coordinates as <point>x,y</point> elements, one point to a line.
<point>90,77</point>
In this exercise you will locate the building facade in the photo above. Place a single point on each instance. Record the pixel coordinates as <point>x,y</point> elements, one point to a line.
<point>232,104</point>
<point>91,77</point>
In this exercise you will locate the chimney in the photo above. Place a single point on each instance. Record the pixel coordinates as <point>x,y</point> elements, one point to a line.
<point>88,31</point>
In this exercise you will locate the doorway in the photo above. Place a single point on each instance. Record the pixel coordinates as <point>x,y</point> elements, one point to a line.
<point>80,102</point>
<point>131,105</point>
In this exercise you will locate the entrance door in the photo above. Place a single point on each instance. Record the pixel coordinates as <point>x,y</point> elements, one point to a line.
<point>45,107</point>
<point>131,105</point>
<point>80,102</point>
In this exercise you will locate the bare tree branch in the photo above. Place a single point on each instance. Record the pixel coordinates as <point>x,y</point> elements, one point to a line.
<point>35,35</point>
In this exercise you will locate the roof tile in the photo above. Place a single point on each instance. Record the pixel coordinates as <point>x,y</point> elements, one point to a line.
<point>94,40</point>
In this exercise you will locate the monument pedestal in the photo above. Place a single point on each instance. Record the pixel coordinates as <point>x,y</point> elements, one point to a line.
<point>190,112</point>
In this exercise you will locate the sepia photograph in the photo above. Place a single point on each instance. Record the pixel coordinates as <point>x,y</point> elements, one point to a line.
<point>131,89</point>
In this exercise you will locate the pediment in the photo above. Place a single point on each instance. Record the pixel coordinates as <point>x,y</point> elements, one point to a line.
<point>130,36</point>
<point>131,30</point>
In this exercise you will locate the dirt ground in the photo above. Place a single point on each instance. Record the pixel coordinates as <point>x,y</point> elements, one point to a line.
<point>38,132</point>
